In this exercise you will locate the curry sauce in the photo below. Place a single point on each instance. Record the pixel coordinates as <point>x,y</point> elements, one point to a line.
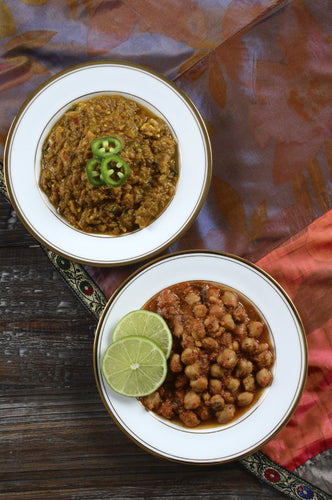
<point>222,355</point>
<point>148,147</point>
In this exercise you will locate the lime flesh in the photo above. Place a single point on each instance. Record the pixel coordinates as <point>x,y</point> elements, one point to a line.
<point>134,366</point>
<point>147,324</point>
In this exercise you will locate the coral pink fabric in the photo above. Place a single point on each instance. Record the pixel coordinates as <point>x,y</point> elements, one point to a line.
<point>303,267</point>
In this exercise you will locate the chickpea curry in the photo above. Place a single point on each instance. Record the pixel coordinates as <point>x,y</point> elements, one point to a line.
<point>221,359</point>
<point>138,174</point>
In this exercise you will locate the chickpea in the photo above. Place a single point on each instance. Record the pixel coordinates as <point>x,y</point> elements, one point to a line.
<point>264,377</point>
<point>263,346</point>
<point>197,329</point>
<point>177,326</point>
<point>192,298</point>
<point>217,310</point>
<point>211,324</point>
<point>189,418</point>
<point>210,344</point>
<point>226,414</point>
<point>199,385</point>
<point>217,402</point>
<point>166,409</point>
<point>240,331</point>
<point>215,386</point>
<point>189,356</point>
<point>227,358</point>
<point>206,396</point>
<point>168,298</point>
<point>255,328</point>
<point>191,400</point>
<point>204,413</point>
<point>152,401</point>
<point>244,368</point>
<point>245,398</point>
<point>226,340</point>
<point>249,345</point>
<point>264,359</point>
<point>239,314</point>
<point>175,363</point>
<point>249,383</point>
<point>230,299</point>
<point>235,346</point>
<point>213,295</point>
<point>228,396</point>
<point>200,310</point>
<point>187,341</point>
<point>192,371</point>
<point>228,322</point>
<point>216,371</point>
<point>233,384</point>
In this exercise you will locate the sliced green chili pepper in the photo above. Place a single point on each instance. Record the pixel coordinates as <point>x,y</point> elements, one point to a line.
<point>94,175</point>
<point>103,146</point>
<point>114,170</point>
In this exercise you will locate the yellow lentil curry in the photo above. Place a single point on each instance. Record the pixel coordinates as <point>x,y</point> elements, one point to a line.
<point>148,147</point>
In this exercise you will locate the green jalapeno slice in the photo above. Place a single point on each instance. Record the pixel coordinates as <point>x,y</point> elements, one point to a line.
<point>103,146</point>
<point>93,172</point>
<point>114,170</point>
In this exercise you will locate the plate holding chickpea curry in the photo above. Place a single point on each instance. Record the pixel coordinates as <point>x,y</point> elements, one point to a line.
<point>222,357</point>
<point>237,361</point>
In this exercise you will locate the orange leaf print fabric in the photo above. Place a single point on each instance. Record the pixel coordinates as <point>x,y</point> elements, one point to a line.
<point>217,83</point>
<point>231,205</point>
<point>242,14</point>
<point>184,21</point>
<point>19,69</point>
<point>294,111</point>
<point>35,3</point>
<point>29,40</point>
<point>111,24</point>
<point>7,22</point>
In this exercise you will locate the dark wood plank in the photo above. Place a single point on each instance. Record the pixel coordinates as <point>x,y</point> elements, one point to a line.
<point>57,440</point>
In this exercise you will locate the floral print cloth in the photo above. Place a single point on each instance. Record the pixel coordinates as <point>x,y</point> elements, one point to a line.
<point>259,72</point>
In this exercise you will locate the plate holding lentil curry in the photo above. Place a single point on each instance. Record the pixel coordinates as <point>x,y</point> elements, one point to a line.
<point>109,165</point>
<point>238,363</point>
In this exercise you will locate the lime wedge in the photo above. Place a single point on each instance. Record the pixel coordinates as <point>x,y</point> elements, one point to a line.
<point>147,324</point>
<point>134,366</point>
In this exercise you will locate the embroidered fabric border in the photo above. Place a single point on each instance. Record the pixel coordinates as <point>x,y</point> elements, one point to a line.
<point>257,463</point>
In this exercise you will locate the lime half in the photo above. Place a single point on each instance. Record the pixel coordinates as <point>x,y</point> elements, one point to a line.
<point>147,324</point>
<point>134,366</point>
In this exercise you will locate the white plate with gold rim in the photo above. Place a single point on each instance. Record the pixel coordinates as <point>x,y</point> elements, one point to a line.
<point>32,125</point>
<point>273,409</point>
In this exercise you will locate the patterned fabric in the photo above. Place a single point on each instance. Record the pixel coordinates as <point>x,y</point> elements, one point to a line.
<point>259,72</point>
<point>304,268</point>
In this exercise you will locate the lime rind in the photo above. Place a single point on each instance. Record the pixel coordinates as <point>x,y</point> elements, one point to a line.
<point>148,324</point>
<point>123,354</point>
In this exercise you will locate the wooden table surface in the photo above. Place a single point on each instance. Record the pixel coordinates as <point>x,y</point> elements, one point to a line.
<point>57,440</point>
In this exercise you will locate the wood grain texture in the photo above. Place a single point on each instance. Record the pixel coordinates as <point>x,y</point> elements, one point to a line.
<point>56,438</point>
